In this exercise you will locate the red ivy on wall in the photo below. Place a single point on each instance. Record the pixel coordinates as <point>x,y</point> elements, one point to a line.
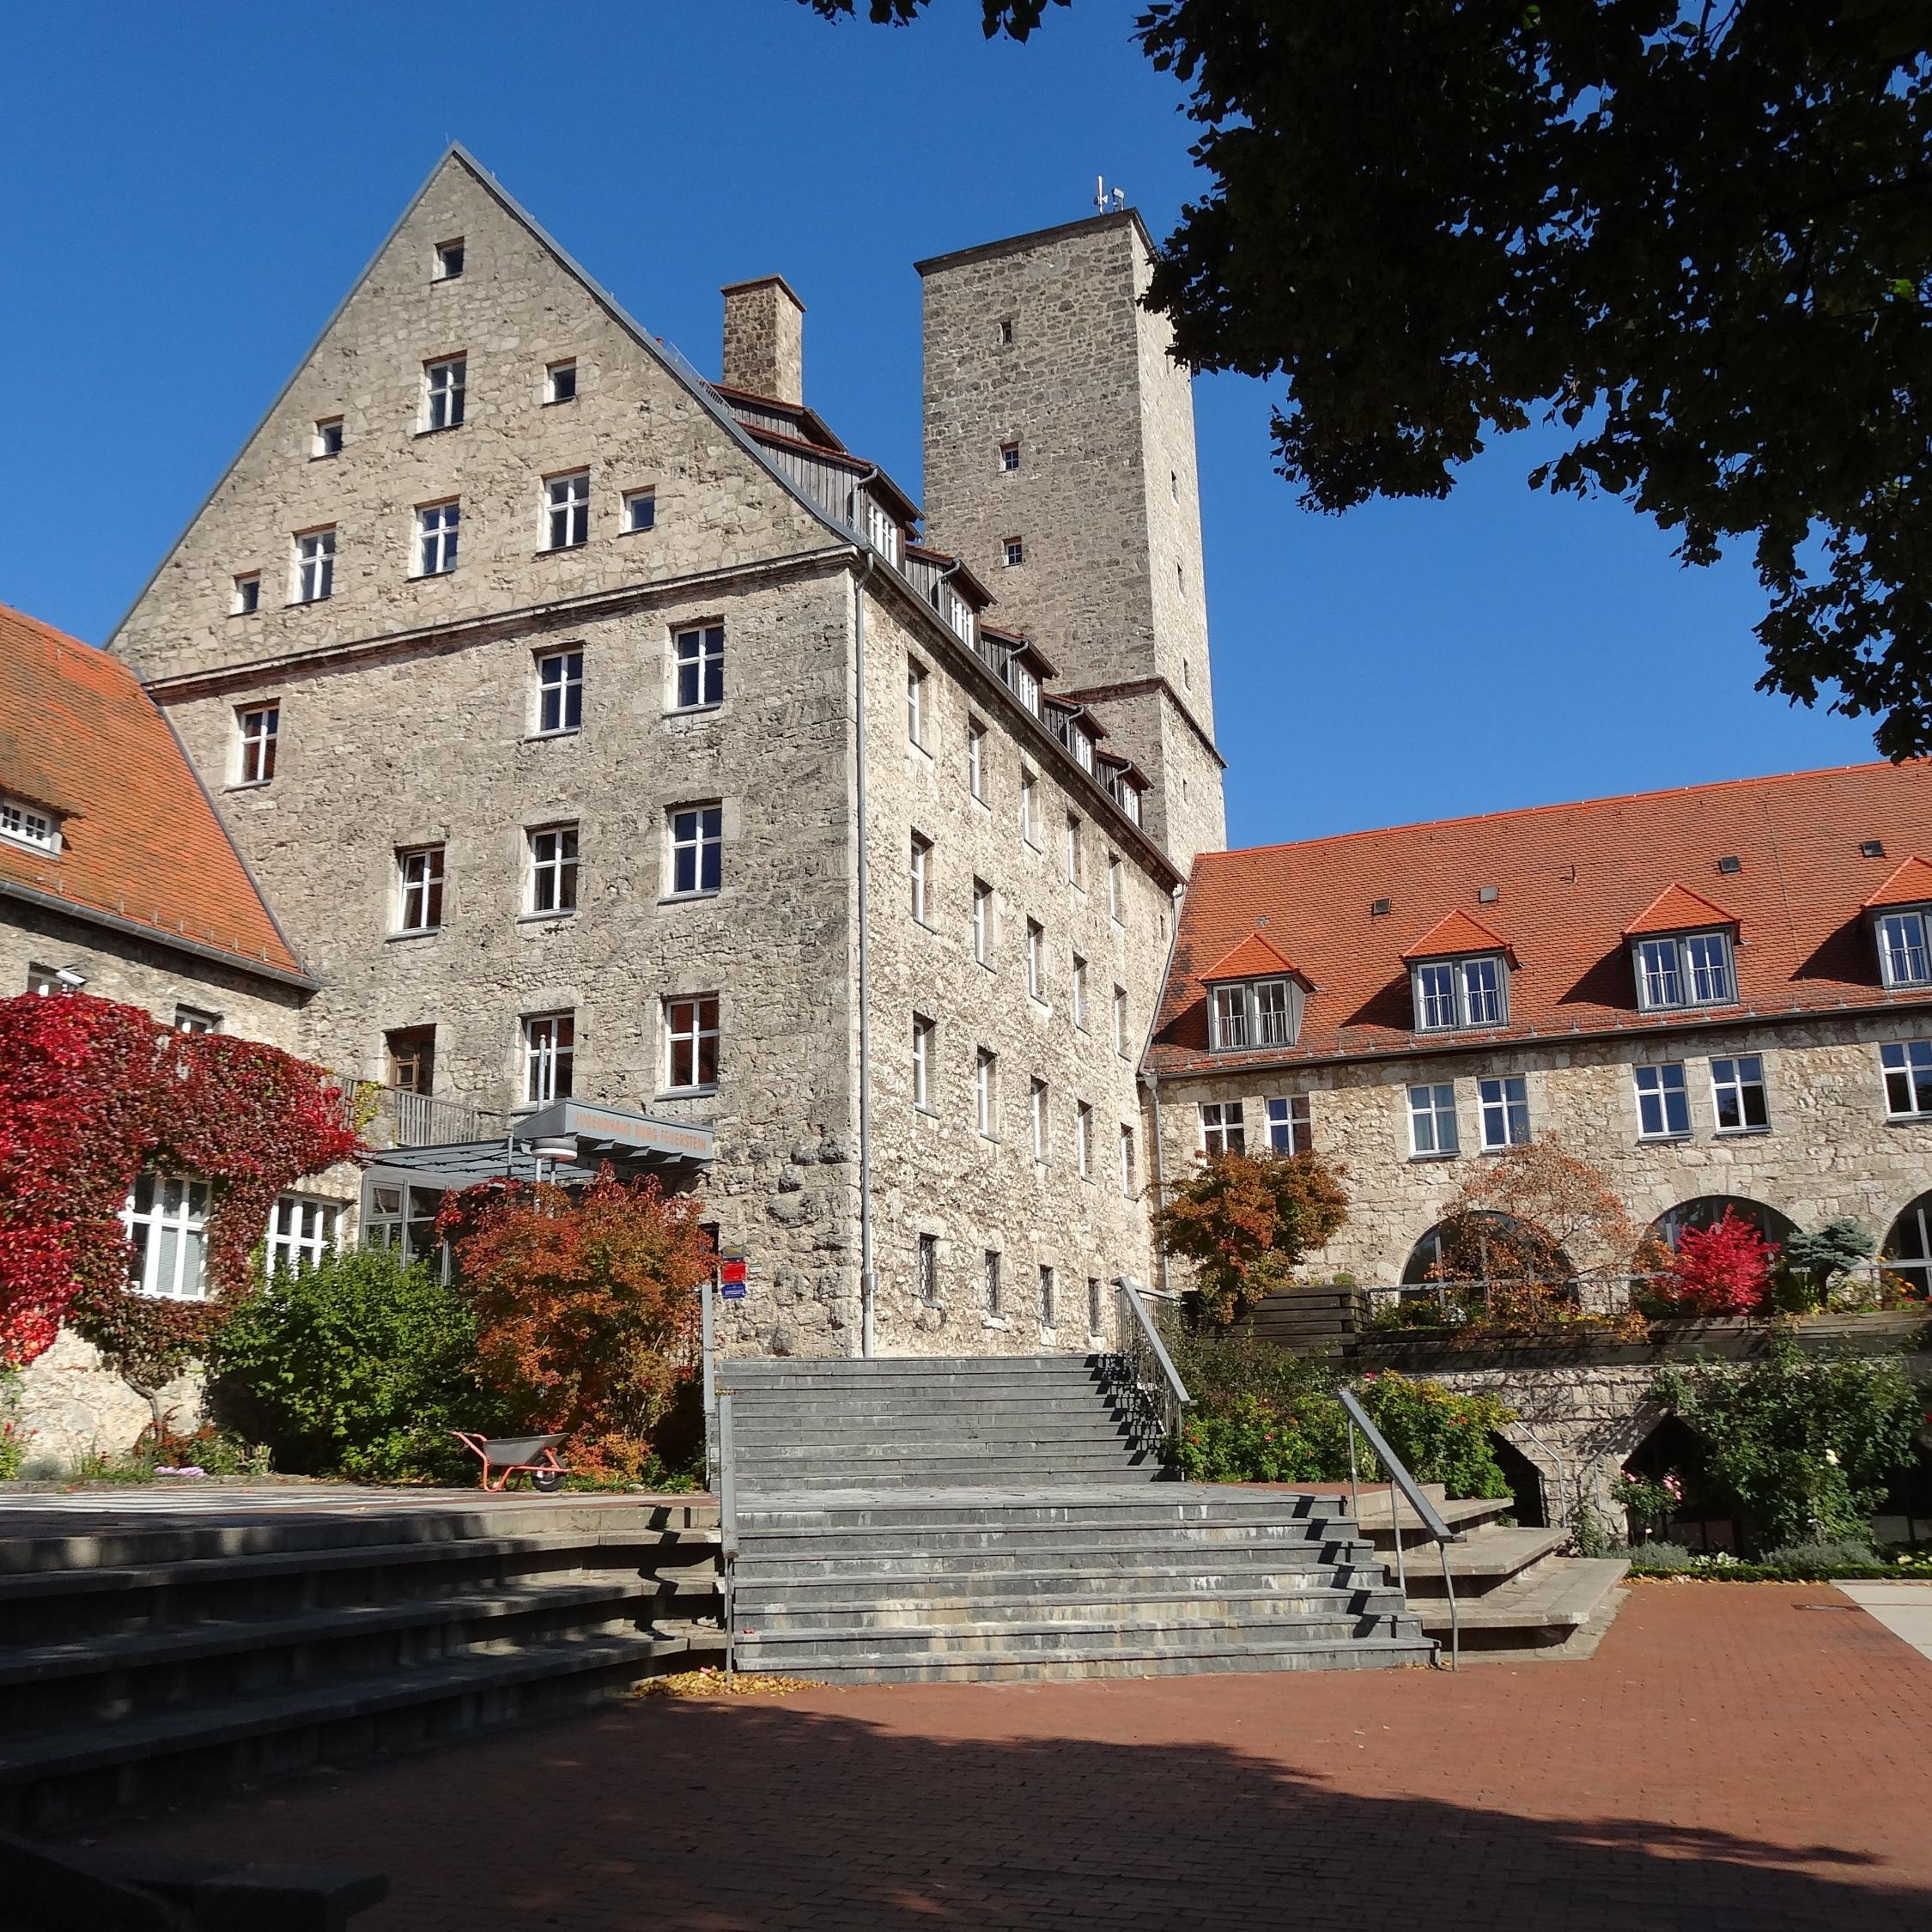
<point>93,1093</point>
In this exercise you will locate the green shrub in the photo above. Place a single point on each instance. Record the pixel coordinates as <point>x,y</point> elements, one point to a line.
<point>14,1434</point>
<point>359,1366</point>
<point>1823,1557</point>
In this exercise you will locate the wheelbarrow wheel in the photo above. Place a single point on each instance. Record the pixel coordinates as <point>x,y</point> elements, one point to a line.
<point>546,1482</point>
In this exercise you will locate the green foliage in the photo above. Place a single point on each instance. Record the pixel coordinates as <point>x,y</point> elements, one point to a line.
<point>1813,1261</point>
<point>1799,1563</point>
<point>1651,1503</point>
<point>358,1367</point>
<point>1803,1446</point>
<point>1588,1536</point>
<point>14,1434</point>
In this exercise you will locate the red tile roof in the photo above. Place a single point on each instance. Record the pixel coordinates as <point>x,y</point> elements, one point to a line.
<point>1677,909</point>
<point>1572,878</point>
<point>1910,885</point>
<point>1253,959</point>
<point>141,844</point>
<point>1457,933</point>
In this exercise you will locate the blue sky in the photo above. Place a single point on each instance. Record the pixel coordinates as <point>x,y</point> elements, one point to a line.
<point>188,191</point>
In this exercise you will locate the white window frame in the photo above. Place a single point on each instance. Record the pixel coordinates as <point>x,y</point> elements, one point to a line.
<point>1244,1013</point>
<point>1291,1127</point>
<point>438,527</point>
<point>1120,1022</point>
<point>21,824</point>
<point>1009,459</point>
<point>554,853</point>
<point>419,889</point>
<point>919,871</point>
<point>328,437</point>
<point>550,1054</point>
<point>1037,1107</point>
<point>1503,1110</point>
<point>1680,970</point>
<point>566,510</point>
<point>697,659</point>
<point>1073,868</point>
<point>448,260</point>
<point>1082,1140</point>
<point>560,381</point>
<point>1028,829</point>
<point>258,737</point>
<point>915,703</point>
<point>1035,960</point>
<point>959,615</point>
<point>975,759</point>
<point>1076,999</point>
<point>1115,908</point>
<point>315,566</point>
<point>1729,1076</point>
<point>301,1232</point>
<point>640,511</point>
<point>1451,995</point>
<point>1014,550</point>
<point>446,384</point>
<point>1658,1086</point>
<point>695,833</point>
<point>196,1019</point>
<point>1127,1188</point>
<point>560,692</point>
<point>922,1031</point>
<point>882,530</point>
<point>1223,1128</point>
<point>691,1019</point>
<point>1906,1068</point>
<point>1902,940</point>
<point>986,1093</point>
<point>982,922</point>
<point>1434,1133</point>
<point>246,599</point>
<point>168,1258</point>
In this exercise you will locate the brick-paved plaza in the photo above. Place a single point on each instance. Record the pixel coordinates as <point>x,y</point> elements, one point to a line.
<point>1733,1757</point>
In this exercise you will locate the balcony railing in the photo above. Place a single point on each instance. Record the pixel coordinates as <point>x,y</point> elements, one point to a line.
<point>424,1120</point>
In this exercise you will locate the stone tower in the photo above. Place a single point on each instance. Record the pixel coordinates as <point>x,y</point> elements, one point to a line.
<point>1059,463</point>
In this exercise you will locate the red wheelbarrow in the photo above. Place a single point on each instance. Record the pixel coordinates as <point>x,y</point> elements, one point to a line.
<point>534,1456</point>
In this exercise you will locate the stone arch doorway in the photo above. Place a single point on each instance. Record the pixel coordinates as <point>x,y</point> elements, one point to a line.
<point>1707,1210</point>
<point>1907,1252</point>
<point>1703,1520</point>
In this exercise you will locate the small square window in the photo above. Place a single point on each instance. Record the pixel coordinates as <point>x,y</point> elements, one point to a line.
<point>247,594</point>
<point>449,259</point>
<point>328,437</point>
<point>641,509</point>
<point>1015,552</point>
<point>196,1019</point>
<point>1009,457</point>
<point>560,692</point>
<point>560,382</point>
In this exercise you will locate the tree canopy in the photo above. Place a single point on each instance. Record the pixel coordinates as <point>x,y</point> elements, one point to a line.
<point>1693,236</point>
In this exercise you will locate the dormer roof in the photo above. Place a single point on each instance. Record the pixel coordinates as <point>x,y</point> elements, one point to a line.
<point>1255,958</point>
<point>1677,909</point>
<point>1909,884</point>
<point>1455,933</point>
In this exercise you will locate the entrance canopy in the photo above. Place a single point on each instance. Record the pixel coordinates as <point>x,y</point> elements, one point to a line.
<point>567,1141</point>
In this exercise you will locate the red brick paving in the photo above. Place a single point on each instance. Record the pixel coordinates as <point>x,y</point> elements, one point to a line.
<point>1731,1760</point>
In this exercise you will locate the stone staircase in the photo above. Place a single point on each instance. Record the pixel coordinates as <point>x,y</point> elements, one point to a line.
<point>148,1658</point>
<point>972,1518</point>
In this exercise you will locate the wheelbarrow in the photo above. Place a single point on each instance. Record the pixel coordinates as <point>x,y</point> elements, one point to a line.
<point>534,1456</point>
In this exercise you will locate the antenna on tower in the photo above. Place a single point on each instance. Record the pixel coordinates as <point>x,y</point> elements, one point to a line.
<point>1106,199</point>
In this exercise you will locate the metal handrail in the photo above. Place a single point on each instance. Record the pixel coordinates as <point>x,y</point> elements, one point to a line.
<point>721,1473</point>
<point>1400,1478</point>
<point>1161,1387</point>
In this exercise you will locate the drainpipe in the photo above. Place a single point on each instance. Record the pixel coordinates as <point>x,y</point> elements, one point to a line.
<point>868,1283</point>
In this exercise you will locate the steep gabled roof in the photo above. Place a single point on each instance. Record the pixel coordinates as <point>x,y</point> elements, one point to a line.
<point>1255,958</point>
<point>1910,884</point>
<point>1677,909</point>
<point>1455,932</point>
<point>142,848</point>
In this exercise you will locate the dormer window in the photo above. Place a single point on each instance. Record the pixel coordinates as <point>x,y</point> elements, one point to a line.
<point>1904,957</point>
<point>27,824</point>
<point>1684,970</point>
<point>881,531</point>
<point>1453,993</point>
<point>1254,998</point>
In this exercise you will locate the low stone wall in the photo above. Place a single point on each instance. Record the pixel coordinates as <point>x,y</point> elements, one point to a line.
<point>71,1403</point>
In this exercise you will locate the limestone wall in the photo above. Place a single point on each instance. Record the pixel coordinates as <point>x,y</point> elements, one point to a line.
<point>71,1404</point>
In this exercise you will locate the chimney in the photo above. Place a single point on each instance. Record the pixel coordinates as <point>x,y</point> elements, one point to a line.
<point>764,339</point>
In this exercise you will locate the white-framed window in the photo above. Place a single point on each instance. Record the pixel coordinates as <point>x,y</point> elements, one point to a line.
<point>1116,900</point>
<point>1222,1130</point>
<point>1684,970</point>
<point>444,382</point>
<point>1014,550</point>
<point>982,922</point>
<point>991,1280</point>
<point>196,1019</point>
<point>301,1231</point>
<point>882,532</point>
<point>1254,1014</point>
<point>691,1037</point>
<point>553,869</point>
<point>1037,1113</point>
<point>419,879</point>
<point>1663,1103</point>
<point>27,824</point>
<point>566,511</point>
<point>1289,1130</point>
<point>958,615</point>
<point>1081,745</point>
<point>1009,457</point>
<point>698,660</point>
<point>315,565</point>
<point>1127,1184</point>
<point>915,703</point>
<point>258,729</point>
<point>437,531</point>
<point>248,597</point>
<point>923,1062</point>
<point>1119,1022</point>
<point>448,260</point>
<point>1077,992</point>
<point>560,381</point>
<point>1503,1105</point>
<point>975,759</point>
<point>1073,848</point>
<point>641,510</point>
<point>698,848</point>
<point>919,872</point>
<point>1023,684</point>
<point>166,1217</point>
<point>550,1050</point>
<point>560,692</point>
<point>986,1092</point>
<point>928,1264</point>
<point>328,437</point>
<point>1458,992</point>
<point>1082,1140</point>
<point>1908,1078</point>
<point>1432,1120</point>
<point>1029,822</point>
<point>1905,958</point>
<point>1738,1098</point>
<point>1035,959</point>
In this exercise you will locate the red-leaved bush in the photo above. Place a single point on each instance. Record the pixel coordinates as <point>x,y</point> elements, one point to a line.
<point>1724,1269</point>
<point>586,1308</point>
<point>93,1093</point>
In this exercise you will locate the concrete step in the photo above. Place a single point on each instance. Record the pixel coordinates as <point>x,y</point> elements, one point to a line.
<point>1086,1427</point>
<point>1540,1608</point>
<point>1465,1513</point>
<point>1490,1558</point>
<point>1187,1604</point>
<point>762,1485</point>
<point>1149,1505</point>
<point>996,1571</point>
<point>776,1370</point>
<point>968,1454</point>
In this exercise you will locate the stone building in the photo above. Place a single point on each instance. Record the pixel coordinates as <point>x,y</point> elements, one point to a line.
<point>602,733</point>
<point>1717,995</point>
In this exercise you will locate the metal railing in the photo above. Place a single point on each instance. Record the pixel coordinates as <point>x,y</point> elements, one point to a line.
<point>1426,1513</point>
<point>425,1119</point>
<point>1157,1383</point>
<point>720,1474</point>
